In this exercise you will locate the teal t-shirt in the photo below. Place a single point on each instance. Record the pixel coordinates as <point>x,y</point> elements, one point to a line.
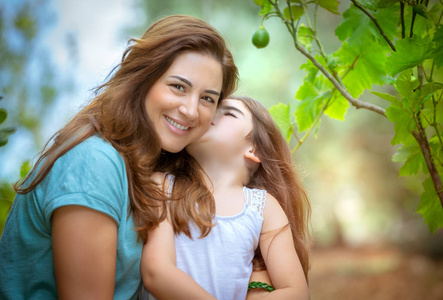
<point>93,175</point>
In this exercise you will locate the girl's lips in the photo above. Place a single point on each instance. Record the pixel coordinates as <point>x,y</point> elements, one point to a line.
<point>176,125</point>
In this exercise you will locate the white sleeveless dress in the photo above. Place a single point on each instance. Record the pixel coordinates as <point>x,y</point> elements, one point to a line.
<point>221,262</point>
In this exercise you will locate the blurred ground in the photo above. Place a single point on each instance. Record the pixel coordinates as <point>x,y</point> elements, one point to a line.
<point>376,274</point>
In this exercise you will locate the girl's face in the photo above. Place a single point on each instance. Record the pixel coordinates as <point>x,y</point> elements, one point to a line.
<point>182,103</point>
<point>227,136</point>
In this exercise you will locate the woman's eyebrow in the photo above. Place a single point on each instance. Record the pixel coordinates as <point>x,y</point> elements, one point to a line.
<point>182,79</point>
<point>214,92</point>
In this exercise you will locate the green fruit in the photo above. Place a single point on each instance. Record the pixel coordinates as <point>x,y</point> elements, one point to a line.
<point>260,38</point>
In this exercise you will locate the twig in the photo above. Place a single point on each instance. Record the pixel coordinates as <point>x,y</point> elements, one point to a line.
<point>300,142</point>
<point>402,19</point>
<point>351,67</point>
<point>411,33</point>
<point>295,135</point>
<point>376,24</point>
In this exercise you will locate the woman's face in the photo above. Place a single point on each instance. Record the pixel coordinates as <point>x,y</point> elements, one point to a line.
<point>181,104</point>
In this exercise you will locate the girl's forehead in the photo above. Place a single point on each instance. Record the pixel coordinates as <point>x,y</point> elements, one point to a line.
<point>233,103</point>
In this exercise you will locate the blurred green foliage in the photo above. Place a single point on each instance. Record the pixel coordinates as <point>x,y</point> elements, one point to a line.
<point>27,82</point>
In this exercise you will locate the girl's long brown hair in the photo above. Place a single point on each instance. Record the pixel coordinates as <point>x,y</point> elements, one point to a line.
<point>118,111</point>
<point>276,174</point>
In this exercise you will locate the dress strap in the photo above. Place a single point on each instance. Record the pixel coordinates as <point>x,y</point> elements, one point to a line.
<point>255,198</point>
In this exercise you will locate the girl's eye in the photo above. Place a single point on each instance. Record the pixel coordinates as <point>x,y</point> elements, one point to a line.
<point>230,114</point>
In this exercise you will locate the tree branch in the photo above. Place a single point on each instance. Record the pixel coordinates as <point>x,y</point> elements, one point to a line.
<point>376,24</point>
<point>356,103</point>
<point>425,149</point>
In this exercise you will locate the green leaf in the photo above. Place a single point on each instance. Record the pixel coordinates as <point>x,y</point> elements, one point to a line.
<point>406,84</point>
<point>311,70</point>
<point>410,53</point>
<point>266,7</point>
<point>388,97</point>
<point>359,30</point>
<point>403,123</point>
<point>430,88</point>
<point>25,168</point>
<point>3,141</point>
<point>305,36</point>
<point>259,2</point>
<point>369,4</point>
<point>337,108</point>
<point>354,27</point>
<point>368,67</point>
<point>296,11</point>
<point>281,115</point>
<point>8,130</point>
<point>405,151</point>
<point>3,115</point>
<point>421,10</point>
<point>437,54</point>
<point>425,93</point>
<point>330,5</point>
<point>387,3</point>
<point>412,165</point>
<point>430,207</point>
<point>310,106</point>
<point>26,22</point>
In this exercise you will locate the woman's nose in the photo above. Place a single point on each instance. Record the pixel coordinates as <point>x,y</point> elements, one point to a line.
<point>189,108</point>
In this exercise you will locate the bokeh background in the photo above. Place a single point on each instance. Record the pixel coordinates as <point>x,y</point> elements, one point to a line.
<point>368,241</point>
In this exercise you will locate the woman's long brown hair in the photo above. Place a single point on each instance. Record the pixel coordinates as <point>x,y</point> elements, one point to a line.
<point>276,174</point>
<point>118,111</point>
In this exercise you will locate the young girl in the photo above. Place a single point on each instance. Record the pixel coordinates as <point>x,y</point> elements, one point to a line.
<point>253,191</point>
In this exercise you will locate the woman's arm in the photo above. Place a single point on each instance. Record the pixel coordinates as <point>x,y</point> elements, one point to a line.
<point>84,243</point>
<point>281,259</point>
<point>159,268</point>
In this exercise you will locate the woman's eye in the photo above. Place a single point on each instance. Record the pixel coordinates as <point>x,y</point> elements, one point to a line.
<point>208,99</point>
<point>178,87</point>
<point>230,114</point>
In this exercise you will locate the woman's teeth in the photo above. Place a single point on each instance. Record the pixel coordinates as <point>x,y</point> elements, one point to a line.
<point>175,124</point>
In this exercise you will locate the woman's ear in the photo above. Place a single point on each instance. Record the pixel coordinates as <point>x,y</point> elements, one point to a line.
<point>250,154</point>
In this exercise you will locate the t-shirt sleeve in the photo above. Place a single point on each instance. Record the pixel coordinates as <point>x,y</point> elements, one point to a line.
<point>93,175</point>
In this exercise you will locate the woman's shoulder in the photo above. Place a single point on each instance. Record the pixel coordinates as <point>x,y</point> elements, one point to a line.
<point>92,156</point>
<point>97,143</point>
<point>95,148</point>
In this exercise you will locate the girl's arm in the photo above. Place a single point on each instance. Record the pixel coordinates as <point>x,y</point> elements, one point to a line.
<point>160,274</point>
<point>84,243</point>
<point>258,276</point>
<point>281,259</point>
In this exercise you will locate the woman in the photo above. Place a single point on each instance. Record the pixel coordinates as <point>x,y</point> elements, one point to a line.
<point>70,232</point>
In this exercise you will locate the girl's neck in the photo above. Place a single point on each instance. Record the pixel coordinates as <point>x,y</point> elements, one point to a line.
<point>223,176</point>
